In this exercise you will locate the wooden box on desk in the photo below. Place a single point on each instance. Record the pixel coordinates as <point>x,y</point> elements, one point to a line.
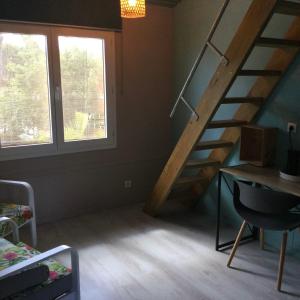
<point>258,145</point>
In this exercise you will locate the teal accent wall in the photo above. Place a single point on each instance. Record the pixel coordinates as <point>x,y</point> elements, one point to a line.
<point>193,20</point>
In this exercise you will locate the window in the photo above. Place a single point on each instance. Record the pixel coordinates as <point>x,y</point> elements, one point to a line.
<point>57,90</point>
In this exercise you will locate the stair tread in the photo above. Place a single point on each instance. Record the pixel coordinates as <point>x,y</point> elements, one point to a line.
<point>260,73</point>
<point>231,100</point>
<point>226,123</point>
<point>213,144</point>
<point>288,8</point>
<point>278,43</point>
<point>201,163</point>
<point>189,179</point>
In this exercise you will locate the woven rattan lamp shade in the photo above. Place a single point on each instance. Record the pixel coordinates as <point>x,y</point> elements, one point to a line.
<point>133,8</point>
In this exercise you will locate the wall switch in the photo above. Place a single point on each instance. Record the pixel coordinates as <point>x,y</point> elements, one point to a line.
<point>128,184</point>
<point>292,127</point>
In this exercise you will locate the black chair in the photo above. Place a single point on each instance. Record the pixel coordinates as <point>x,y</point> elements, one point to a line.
<point>265,209</point>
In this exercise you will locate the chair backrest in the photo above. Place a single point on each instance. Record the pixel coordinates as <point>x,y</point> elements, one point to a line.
<point>263,200</point>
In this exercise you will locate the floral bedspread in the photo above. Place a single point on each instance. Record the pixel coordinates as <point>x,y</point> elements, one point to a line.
<point>11,254</point>
<point>19,213</point>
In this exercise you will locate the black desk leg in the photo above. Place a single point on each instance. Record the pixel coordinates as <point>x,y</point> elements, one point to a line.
<point>219,210</point>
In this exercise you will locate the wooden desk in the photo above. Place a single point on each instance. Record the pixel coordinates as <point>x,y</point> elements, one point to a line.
<point>264,176</point>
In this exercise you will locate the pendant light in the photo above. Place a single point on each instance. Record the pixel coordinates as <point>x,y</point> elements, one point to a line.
<point>133,8</point>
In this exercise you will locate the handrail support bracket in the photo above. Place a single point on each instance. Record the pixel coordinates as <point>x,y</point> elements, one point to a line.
<point>223,58</point>
<point>190,108</point>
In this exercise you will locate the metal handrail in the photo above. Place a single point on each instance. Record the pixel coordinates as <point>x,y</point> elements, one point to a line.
<point>209,44</point>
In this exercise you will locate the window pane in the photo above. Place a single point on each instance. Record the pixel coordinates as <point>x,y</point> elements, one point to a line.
<point>83,88</point>
<point>24,90</point>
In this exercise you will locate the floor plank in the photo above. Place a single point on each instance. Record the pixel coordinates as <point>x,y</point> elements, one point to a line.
<point>125,254</point>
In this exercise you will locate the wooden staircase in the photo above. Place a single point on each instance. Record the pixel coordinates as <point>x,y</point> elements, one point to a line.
<point>248,36</point>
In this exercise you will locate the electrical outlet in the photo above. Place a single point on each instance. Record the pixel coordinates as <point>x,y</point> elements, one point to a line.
<point>128,184</point>
<point>292,127</point>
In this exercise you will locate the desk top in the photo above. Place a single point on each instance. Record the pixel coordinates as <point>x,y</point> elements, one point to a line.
<point>265,176</point>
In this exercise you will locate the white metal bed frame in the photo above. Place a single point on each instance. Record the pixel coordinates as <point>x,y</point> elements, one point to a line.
<point>74,294</point>
<point>29,200</point>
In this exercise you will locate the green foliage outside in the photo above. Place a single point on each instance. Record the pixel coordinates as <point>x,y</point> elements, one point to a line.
<point>76,129</point>
<point>82,86</point>
<point>24,93</point>
<point>23,90</point>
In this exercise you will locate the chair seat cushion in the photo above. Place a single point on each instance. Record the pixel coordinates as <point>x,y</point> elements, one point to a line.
<point>19,213</point>
<point>58,282</point>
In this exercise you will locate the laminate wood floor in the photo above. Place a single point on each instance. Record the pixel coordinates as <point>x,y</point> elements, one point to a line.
<point>125,254</point>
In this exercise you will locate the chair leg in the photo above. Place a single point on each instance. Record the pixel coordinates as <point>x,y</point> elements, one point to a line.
<point>282,259</point>
<point>262,238</point>
<point>237,242</point>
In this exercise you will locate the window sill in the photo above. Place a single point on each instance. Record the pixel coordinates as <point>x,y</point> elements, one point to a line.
<point>29,152</point>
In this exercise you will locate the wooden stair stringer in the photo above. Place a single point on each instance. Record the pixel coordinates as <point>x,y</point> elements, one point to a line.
<point>263,87</point>
<point>251,27</point>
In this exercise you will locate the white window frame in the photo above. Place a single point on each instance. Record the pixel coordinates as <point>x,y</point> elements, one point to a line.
<point>59,146</point>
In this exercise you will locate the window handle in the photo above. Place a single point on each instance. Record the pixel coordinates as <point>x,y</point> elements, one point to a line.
<point>57,93</point>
